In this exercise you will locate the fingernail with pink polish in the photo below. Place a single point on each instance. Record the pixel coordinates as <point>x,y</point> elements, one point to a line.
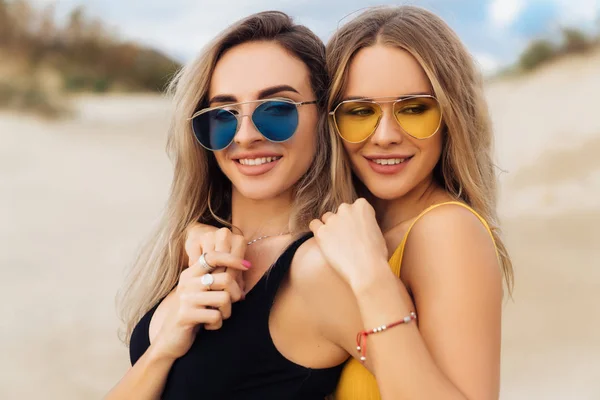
<point>246,263</point>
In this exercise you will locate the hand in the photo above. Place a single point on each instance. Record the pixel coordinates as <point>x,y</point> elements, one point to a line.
<point>202,238</point>
<point>351,241</point>
<point>193,304</point>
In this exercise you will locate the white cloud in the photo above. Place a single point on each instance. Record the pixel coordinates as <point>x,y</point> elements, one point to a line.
<point>580,11</point>
<point>504,12</point>
<point>487,63</point>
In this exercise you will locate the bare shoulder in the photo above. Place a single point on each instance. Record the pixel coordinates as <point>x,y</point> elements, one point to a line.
<point>310,270</point>
<point>325,293</point>
<point>452,227</point>
<point>450,241</point>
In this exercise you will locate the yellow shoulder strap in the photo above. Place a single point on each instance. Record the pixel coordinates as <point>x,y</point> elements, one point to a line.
<point>396,259</point>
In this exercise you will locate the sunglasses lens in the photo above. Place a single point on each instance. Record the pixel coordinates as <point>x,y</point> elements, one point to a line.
<point>420,117</point>
<point>215,129</point>
<point>356,120</point>
<point>276,120</point>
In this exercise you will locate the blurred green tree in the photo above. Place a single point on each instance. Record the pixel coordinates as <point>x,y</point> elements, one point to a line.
<point>83,51</point>
<point>575,41</point>
<point>538,52</point>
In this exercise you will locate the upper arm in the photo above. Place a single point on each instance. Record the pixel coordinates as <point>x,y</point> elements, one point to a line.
<point>451,268</point>
<point>327,297</point>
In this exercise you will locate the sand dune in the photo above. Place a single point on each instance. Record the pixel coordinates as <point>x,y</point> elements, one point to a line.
<point>79,196</point>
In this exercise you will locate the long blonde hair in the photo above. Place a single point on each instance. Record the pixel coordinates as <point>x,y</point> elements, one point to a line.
<point>465,169</point>
<point>200,191</point>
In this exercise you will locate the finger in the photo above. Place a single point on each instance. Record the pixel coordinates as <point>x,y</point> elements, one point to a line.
<point>194,241</point>
<point>238,278</point>
<point>215,326</point>
<point>194,247</point>
<point>219,270</point>
<point>207,242</point>
<point>217,260</point>
<point>219,300</point>
<point>233,286</point>
<point>364,205</point>
<point>228,260</point>
<point>315,225</point>
<point>344,207</point>
<point>223,240</point>
<point>238,245</point>
<point>242,285</point>
<point>200,315</point>
<point>221,282</point>
<point>327,216</point>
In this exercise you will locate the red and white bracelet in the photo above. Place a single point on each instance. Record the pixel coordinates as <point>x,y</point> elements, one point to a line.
<point>361,338</point>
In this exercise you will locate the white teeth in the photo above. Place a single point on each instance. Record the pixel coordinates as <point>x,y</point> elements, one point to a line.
<point>257,161</point>
<point>388,161</point>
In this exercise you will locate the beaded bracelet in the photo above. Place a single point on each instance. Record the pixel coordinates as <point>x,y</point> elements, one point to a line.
<point>361,338</point>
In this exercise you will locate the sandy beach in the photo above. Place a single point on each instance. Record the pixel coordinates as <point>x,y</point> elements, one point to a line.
<point>79,196</point>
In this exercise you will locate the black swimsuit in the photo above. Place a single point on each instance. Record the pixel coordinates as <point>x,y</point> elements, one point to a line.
<point>240,360</point>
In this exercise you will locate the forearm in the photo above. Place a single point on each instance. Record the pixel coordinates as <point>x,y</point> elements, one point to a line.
<point>399,357</point>
<point>145,380</point>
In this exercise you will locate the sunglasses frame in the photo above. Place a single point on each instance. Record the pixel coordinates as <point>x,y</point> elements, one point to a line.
<point>394,101</point>
<point>240,116</point>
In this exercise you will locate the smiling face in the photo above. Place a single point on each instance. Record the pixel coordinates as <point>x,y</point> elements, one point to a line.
<point>391,163</point>
<point>259,168</point>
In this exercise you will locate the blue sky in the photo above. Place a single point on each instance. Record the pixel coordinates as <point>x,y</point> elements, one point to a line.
<point>495,31</point>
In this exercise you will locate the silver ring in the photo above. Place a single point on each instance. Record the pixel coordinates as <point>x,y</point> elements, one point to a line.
<point>204,264</point>
<point>207,280</point>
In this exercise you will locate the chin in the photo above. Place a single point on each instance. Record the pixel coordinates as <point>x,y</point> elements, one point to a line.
<point>261,191</point>
<point>387,193</point>
<point>386,190</point>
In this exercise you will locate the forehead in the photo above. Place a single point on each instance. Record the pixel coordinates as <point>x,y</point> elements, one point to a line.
<point>246,69</point>
<point>381,71</point>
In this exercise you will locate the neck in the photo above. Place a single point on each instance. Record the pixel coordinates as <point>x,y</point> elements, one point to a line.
<point>260,217</point>
<point>390,213</point>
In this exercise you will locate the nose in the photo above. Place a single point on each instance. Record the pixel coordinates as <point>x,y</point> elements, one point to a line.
<point>388,131</point>
<point>247,133</point>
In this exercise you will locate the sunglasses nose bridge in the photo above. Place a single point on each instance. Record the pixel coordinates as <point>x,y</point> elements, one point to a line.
<point>388,130</point>
<point>246,133</point>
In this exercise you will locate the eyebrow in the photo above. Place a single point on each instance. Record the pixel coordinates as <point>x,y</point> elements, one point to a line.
<point>390,97</point>
<point>263,94</point>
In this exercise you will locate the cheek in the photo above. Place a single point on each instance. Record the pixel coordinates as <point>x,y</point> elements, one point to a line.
<point>431,149</point>
<point>303,149</point>
<point>304,144</point>
<point>352,149</point>
<point>220,157</point>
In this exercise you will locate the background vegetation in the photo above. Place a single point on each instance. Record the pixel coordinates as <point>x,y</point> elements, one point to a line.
<point>42,60</point>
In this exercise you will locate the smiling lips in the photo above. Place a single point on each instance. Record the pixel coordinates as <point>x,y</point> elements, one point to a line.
<point>254,164</point>
<point>388,161</point>
<point>387,164</point>
<point>257,160</point>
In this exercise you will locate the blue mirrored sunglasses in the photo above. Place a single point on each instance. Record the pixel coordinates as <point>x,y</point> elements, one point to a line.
<point>275,119</point>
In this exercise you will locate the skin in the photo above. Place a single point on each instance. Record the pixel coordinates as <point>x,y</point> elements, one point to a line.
<point>237,79</point>
<point>450,267</point>
<point>450,274</point>
<point>260,205</point>
<point>389,137</point>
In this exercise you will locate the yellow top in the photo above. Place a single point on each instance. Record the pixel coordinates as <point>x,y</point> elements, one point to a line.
<point>356,382</point>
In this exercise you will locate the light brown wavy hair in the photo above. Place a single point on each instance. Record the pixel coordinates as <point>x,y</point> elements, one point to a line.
<point>200,191</point>
<point>466,168</point>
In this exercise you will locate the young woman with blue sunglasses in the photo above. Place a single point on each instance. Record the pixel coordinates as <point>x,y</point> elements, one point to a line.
<point>250,152</point>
